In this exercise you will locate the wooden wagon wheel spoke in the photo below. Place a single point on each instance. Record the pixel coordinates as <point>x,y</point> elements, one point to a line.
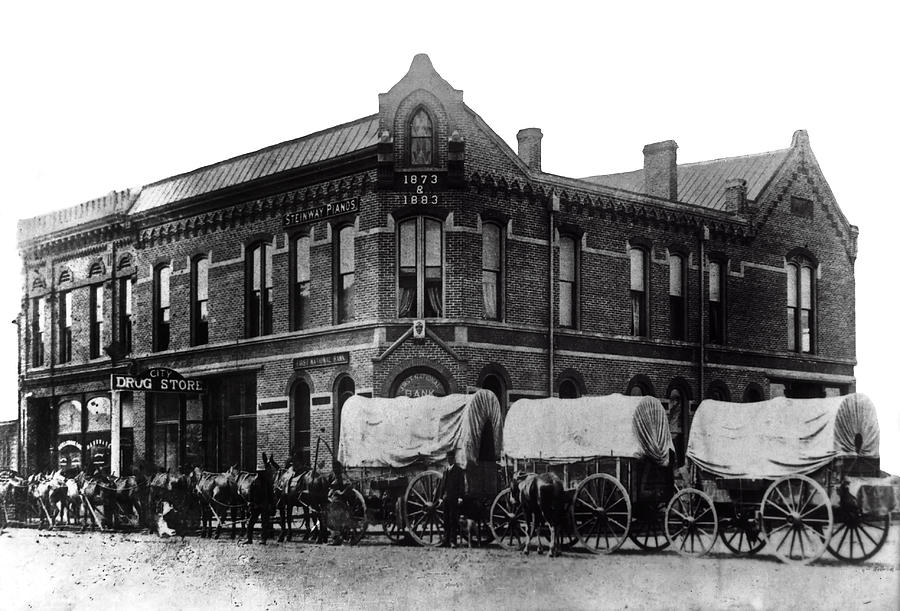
<point>686,530</point>
<point>804,528</point>
<point>774,505</point>
<point>601,513</point>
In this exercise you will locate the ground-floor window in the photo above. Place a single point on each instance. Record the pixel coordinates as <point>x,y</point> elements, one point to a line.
<point>83,432</point>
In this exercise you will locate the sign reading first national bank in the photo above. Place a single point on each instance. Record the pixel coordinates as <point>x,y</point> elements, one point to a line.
<point>311,215</point>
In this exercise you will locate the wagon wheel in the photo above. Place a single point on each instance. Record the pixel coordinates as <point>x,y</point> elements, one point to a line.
<point>857,537</point>
<point>423,506</point>
<point>691,522</point>
<point>358,523</point>
<point>648,531</point>
<point>797,518</point>
<point>507,522</point>
<point>392,530</point>
<point>601,513</point>
<point>741,533</point>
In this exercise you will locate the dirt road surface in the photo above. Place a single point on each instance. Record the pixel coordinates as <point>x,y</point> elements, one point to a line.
<point>70,570</point>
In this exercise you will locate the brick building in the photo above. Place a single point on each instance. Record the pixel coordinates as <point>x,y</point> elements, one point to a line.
<point>409,252</point>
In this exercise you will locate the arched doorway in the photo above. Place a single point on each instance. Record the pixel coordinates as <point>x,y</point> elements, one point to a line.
<point>302,437</point>
<point>344,388</point>
<point>568,389</point>
<point>493,383</point>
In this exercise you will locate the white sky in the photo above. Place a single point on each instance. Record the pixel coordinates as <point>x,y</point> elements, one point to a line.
<point>103,96</point>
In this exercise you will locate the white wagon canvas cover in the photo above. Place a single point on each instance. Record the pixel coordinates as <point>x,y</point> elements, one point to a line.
<point>403,431</point>
<point>569,430</point>
<point>781,436</point>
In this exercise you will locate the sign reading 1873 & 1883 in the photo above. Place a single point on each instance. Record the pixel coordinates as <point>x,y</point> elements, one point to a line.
<point>420,188</point>
<point>157,379</point>
<point>311,215</point>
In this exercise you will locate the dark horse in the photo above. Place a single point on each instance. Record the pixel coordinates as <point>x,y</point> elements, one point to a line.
<point>257,490</point>
<point>290,483</point>
<point>543,499</point>
<point>174,490</point>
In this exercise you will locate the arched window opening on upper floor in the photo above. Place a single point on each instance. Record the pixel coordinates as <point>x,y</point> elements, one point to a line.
<point>200,301</point>
<point>345,274</point>
<point>162,310</point>
<point>677,294</point>
<point>96,316</point>
<point>801,300</point>
<point>300,304</point>
<point>716,304</point>
<point>421,138</point>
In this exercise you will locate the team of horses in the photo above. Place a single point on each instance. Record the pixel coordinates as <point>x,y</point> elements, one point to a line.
<point>165,502</point>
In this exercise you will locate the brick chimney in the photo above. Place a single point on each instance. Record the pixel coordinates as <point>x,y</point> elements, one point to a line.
<point>530,147</point>
<point>735,195</point>
<point>660,169</point>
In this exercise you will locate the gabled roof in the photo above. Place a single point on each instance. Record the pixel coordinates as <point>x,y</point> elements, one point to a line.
<point>314,148</point>
<point>703,183</point>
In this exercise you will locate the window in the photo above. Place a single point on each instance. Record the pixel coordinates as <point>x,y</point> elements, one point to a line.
<point>300,313</point>
<point>126,287</point>
<point>800,292</point>
<point>639,283</point>
<point>344,388</point>
<point>161,308</point>
<point>38,326</point>
<point>716,304</point>
<point>65,327</point>
<point>259,294</point>
<point>301,454</point>
<point>200,302</point>
<point>491,271</point>
<point>239,406</point>
<point>421,139</point>
<point>420,268</point>
<point>345,268</point>
<point>568,272</point>
<point>96,320</point>
<point>568,389</point>
<point>677,311</point>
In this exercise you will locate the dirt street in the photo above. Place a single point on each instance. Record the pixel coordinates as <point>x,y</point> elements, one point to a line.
<point>69,570</point>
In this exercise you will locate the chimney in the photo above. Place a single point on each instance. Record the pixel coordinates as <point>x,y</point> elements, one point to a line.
<point>735,195</point>
<point>530,147</point>
<point>660,170</point>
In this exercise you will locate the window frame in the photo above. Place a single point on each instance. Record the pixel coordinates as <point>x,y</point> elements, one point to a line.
<point>162,325</point>
<point>199,324</point>
<point>500,278</point>
<point>717,335</point>
<point>575,309</point>
<point>65,326</point>
<point>259,308</point>
<point>640,302</point>
<point>38,324</point>
<point>410,138</point>
<point>97,297</point>
<point>344,301</point>
<point>126,312</point>
<point>798,262</point>
<point>299,317</point>
<point>420,309</point>
<point>678,306</point>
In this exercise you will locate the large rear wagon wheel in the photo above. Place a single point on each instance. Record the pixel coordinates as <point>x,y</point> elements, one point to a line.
<point>797,519</point>
<point>601,513</point>
<point>423,507</point>
<point>857,537</point>
<point>507,522</point>
<point>691,522</point>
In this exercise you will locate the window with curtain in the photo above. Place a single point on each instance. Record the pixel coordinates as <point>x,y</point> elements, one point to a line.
<point>638,258</point>
<point>421,139</point>
<point>491,270</point>
<point>568,272</point>
<point>420,268</point>
<point>260,290</point>
<point>65,327</point>
<point>800,302</point>
<point>126,287</point>
<point>200,305</point>
<point>161,308</point>
<point>677,291</point>
<point>38,326</point>
<point>300,292</point>
<point>716,304</point>
<point>346,273</point>
<point>96,320</point>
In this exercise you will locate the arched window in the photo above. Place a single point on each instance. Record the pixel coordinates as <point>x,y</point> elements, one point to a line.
<point>677,292</point>
<point>800,304</point>
<point>420,268</point>
<point>639,386</point>
<point>716,303</point>
<point>568,389</point>
<point>421,139</point>
<point>492,270</point>
<point>96,269</point>
<point>69,417</point>
<point>345,270</point>
<point>38,327</point>
<point>259,290</point>
<point>568,285</point>
<point>718,391</point>
<point>126,290</point>
<point>161,308</point>
<point>300,312</point>
<point>639,282</point>
<point>676,405</point>
<point>200,301</point>
<point>752,393</point>
<point>344,388</point>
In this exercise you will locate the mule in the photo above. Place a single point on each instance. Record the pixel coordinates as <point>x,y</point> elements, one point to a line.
<point>289,484</point>
<point>257,490</point>
<point>542,497</point>
<point>51,496</point>
<point>217,493</point>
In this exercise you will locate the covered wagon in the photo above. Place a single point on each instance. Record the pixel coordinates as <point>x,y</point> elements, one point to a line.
<point>397,449</point>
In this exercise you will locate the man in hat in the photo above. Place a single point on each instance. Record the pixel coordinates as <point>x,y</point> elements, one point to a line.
<point>454,491</point>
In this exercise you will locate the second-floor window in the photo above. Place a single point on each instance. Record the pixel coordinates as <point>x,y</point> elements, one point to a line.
<point>677,312</point>
<point>96,320</point>
<point>65,327</point>
<point>420,268</point>
<point>38,322</point>
<point>716,303</point>
<point>259,295</point>
<point>126,286</point>
<point>492,271</point>
<point>300,312</point>
<point>800,292</point>
<point>162,311</point>
<point>421,139</point>
<point>568,274</point>
<point>638,258</point>
<point>200,302</point>
<point>345,270</point>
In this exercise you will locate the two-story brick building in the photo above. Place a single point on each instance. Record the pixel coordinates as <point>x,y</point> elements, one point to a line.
<point>409,252</point>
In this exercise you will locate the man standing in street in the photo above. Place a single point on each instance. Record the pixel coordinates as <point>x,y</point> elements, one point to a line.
<point>454,491</point>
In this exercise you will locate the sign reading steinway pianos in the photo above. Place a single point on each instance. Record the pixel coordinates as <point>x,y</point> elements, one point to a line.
<point>158,379</point>
<point>311,215</point>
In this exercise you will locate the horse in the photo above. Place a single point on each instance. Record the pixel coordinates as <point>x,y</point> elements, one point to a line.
<point>96,492</point>
<point>168,500</point>
<point>51,495</point>
<point>542,497</point>
<point>217,490</point>
<point>257,491</point>
<point>289,484</point>
<point>13,491</point>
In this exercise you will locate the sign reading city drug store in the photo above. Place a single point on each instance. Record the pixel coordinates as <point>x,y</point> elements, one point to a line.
<point>157,379</point>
